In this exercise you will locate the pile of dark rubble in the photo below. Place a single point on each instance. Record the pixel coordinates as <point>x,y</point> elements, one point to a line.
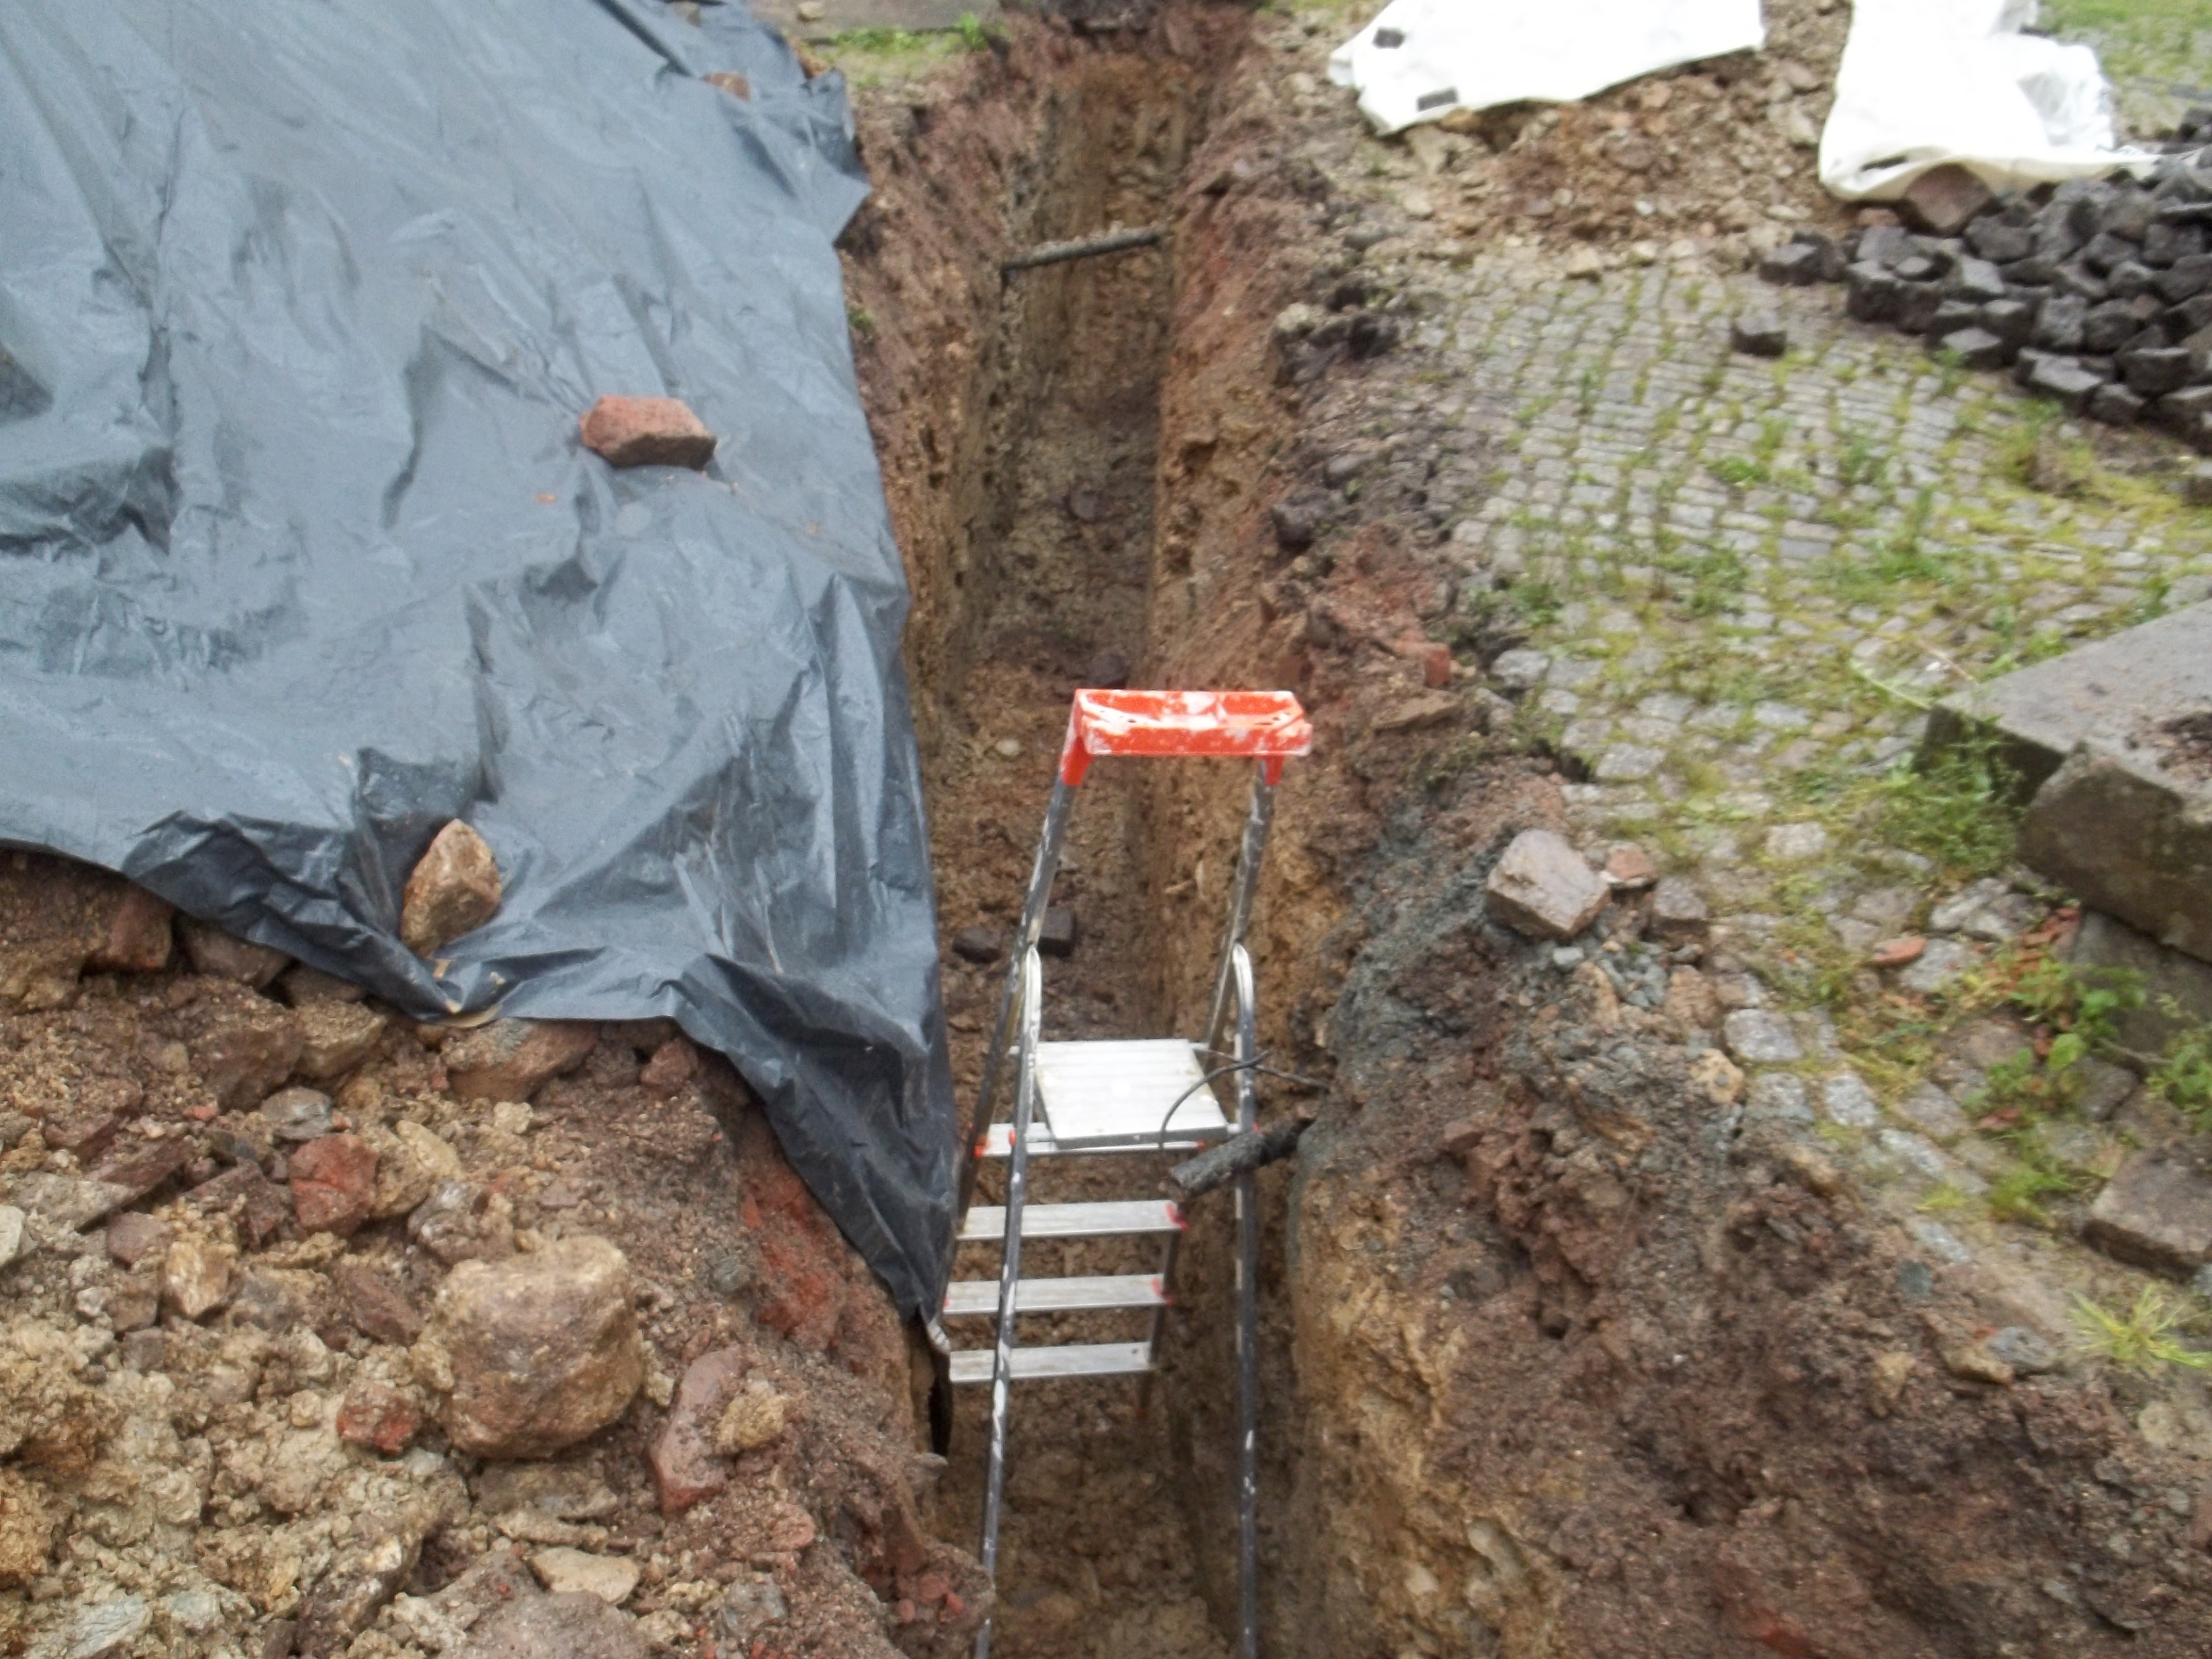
<point>2097,293</point>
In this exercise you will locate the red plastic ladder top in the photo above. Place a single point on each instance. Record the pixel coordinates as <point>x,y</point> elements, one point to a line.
<point>1268,727</point>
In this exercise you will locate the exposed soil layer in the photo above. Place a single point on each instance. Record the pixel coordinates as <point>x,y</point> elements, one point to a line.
<point>210,1401</point>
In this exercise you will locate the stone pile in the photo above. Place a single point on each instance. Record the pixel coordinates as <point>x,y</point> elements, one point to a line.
<point>2098,292</point>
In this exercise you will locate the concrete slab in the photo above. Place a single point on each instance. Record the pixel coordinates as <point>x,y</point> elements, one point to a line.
<point>2114,693</point>
<point>825,20</point>
<point>2115,742</point>
<point>2102,943</point>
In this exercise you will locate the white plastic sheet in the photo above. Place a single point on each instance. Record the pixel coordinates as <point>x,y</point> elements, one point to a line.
<point>1927,82</point>
<point>1421,59</point>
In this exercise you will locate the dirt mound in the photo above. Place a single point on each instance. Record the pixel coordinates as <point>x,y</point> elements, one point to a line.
<point>224,1430</point>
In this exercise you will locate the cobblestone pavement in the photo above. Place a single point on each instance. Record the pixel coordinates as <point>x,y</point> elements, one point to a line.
<point>1742,581</point>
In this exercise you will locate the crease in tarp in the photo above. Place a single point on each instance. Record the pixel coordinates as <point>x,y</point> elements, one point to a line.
<point>300,558</point>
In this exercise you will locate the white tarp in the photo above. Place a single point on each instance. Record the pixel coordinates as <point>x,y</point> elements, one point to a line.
<point>1927,82</point>
<point>1422,59</point>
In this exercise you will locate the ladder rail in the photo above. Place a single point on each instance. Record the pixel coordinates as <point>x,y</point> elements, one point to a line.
<point>1247,1317</point>
<point>1010,1265</point>
<point>1258,818</point>
<point>1034,904</point>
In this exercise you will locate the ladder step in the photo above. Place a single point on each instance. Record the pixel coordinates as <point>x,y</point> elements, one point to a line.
<point>998,1142</point>
<point>1118,1094</point>
<point>987,1222</point>
<point>1072,1359</point>
<point>980,1296</point>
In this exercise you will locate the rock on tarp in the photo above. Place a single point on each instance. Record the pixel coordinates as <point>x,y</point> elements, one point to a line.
<point>301,557</point>
<point>1923,83</point>
<point>1421,59</point>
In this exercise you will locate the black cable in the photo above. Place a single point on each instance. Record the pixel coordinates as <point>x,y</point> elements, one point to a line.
<point>1251,1064</point>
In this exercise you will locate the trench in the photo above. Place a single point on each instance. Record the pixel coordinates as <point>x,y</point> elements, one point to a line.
<point>1118,1535</point>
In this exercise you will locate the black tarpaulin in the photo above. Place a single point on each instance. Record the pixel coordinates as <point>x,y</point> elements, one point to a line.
<point>299,556</point>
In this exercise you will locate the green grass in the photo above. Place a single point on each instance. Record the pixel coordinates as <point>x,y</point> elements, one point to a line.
<point>2184,1078</point>
<point>1958,811</point>
<point>2143,1337</point>
<point>2155,40</point>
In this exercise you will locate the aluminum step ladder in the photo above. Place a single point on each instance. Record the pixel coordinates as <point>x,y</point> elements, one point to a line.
<point>1120,1098</point>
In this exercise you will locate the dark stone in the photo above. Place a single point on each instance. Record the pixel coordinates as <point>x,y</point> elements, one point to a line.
<point>2129,279</point>
<point>2056,240</point>
<point>1794,264</point>
<point>2026,364</point>
<point>2186,278</point>
<point>2034,271</point>
<point>379,1310</point>
<point>978,944</point>
<point>1976,348</point>
<point>1107,671</point>
<point>2103,367</point>
<point>1918,268</point>
<point>2058,324</point>
<point>2155,371</point>
<point>1975,280</point>
<point>2165,243</point>
<point>1871,292</point>
<point>1059,934</point>
<point>1759,334</point>
<point>2080,280</point>
<point>2107,251</point>
<point>2185,319</point>
<point>2109,326</point>
<point>2064,381</point>
<point>1884,245</point>
<point>1994,238</point>
<point>1944,199</point>
<point>2129,214</point>
<point>1832,253</point>
<point>1295,524</point>
<point>2185,413</point>
<point>2011,321</point>
<point>2116,406</point>
<point>2079,204</point>
<point>1916,305</point>
<point>1950,317</point>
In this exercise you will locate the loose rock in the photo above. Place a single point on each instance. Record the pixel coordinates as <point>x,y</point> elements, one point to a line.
<point>576,1625</point>
<point>1543,889</point>
<point>1679,913</point>
<point>646,431</point>
<point>454,889</point>
<point>225,955</point>
<point>535,1353</point>
<point>610,1577</point>
<point>196,1276</point>
<point>512,1059</point>
<point>334,1184</point>
<point>140,934</point>
<point>1758,334</point>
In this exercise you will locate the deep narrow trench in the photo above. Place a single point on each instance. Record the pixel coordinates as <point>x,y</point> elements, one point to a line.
<point>1051,591</point>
